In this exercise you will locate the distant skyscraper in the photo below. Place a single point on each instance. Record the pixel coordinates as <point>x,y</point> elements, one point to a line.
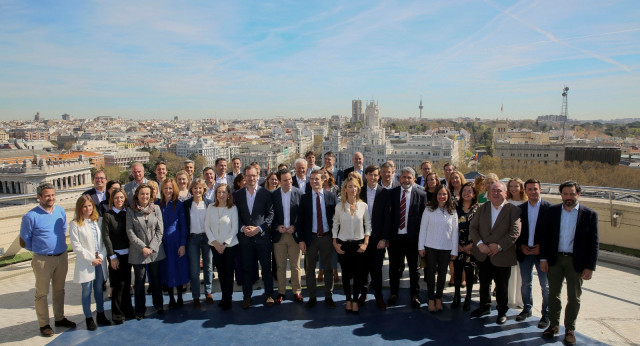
<point>356,111</point>
<point>66,117</point>
<point>175,118</point>
<point>37,117</point>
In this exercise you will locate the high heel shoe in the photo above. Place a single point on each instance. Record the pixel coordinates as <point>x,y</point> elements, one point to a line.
<point>467,303</point>
<point>456,301</point>
<point>432,306</point>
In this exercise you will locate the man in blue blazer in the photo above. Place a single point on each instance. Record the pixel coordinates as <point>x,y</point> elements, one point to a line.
<point>314,237</point>
<point>99,189</point>
<point>286,201</point>
<point>532,218</point>
<point>255,215</point>
<point>402,229</point>
<point>568,251</point>
<point>374,195</point>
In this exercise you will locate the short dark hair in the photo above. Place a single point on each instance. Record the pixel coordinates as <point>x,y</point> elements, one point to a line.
<point>281,172</point>
<point>387,165</point>
<point>531,181</point>
<point>45,186</point>
<point>309,153</point>
<point>371,168</point>
<point>449,164</point>
<point>570,183</point>
<point>157,164</point>
<point>208,168</point>
<point>99,171</point>
<point>331,154</point>
<point>244,170</point>
<point>220,159</point>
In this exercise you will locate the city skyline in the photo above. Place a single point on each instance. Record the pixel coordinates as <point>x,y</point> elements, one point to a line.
<point>262,60</point>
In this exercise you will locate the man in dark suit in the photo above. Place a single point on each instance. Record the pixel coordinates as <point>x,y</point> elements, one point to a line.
<point>286,200</point>
<point>358,165</point>
<point>448,169</point>
<point>387,171</point>
<point>236,166</point>
<point>494,230</point>
<point>329,161</point>
<point>425,168</point>
<point>402,229</point>
<point>255,215</point>
<point>373,195</point>
<point>532,216</point>
<point>98,191</point>
<point>313,234</point>
<point>300,180</point>
<point>569,250</point>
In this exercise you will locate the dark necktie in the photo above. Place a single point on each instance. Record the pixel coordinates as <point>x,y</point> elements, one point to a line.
<point>403,209</point>
<point>319,216</point>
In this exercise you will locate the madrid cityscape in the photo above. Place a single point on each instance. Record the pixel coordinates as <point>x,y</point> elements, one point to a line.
<point>445,172</point>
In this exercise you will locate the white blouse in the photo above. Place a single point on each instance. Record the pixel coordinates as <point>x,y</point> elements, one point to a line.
<point>197,214</point>
<point>439,230</point>
<point>351,227</point>
<point>221,225</point>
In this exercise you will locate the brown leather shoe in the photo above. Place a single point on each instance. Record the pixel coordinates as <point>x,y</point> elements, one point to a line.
<point>569,337</point>
<point>381,305</point>
<point>550,332</point>
<point>46,331</point>
<point>209,298</point>
<point>196,303</point>
<point>246,302</point>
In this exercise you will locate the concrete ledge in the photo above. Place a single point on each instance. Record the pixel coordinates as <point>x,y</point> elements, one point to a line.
<point>620,259</point>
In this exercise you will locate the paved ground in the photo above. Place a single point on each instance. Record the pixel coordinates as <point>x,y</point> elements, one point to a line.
<point>610,309</point>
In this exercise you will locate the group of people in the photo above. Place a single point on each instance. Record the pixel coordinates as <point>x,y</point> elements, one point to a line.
<point>168,231</point>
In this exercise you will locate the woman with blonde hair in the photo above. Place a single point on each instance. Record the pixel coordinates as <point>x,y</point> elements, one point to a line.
<point>182,180</point>
<point>91,267</point>
<point>456,180</point>
<point>351,231</point>
<point>221,226</point>
<point>175,268</point>
<point>515,191</point>
<point>271,183</point>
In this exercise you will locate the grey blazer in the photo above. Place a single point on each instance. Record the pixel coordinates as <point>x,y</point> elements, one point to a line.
<point>130,189</point>
<point>143,234</point>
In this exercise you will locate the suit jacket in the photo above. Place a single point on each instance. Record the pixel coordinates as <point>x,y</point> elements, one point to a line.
<point>523,239</point>
<point>278,211</point>
<point>84,245</point>
<point>94,196</point>
<point>416,208</point>
<point>504,232</point>
<point>307,186</point>
<point>130,189</point>
<point>379,214</point>
<point>261,216</point>
<point>187,212</point>
<point>419,181</point>
<point>143,234</point>
<point>304,224</point>
<point>585,241</point>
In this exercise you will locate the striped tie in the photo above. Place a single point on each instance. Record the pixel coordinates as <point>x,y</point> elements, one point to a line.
<point>403,209</point>
<point>319,216</point>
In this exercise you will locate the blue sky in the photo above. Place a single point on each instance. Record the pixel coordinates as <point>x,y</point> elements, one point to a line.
<point>244,59</point>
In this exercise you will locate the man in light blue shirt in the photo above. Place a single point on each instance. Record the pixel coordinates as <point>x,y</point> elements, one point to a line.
<point>43,231</point>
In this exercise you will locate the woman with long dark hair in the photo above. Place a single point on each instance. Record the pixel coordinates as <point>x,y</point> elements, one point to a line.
<point>438,242</point>
<point>463,264</point>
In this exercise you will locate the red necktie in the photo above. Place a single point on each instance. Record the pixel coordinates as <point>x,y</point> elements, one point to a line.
<point>403,209</point>
<point>319,216</point>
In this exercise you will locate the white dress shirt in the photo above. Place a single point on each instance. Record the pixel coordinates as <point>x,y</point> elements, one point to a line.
<point>532,214</point>
<point>197,214</point>
<point>439,230</point>
<point>371,197</point>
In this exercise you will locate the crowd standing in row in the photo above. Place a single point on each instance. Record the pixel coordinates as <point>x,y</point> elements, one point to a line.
<point>167,229</point>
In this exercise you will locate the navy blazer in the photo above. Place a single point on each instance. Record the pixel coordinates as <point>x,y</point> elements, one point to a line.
<point>585,241</point>
<point>379,214</point>
<point>187,213</point>
<point>307,186</point>
<point>523,239</point>
<point>278,211</point>
<point>419,181</point>
<point>416,208</point>
<point>92,193</point>
<point>261,216</point>
<point>304,226</point>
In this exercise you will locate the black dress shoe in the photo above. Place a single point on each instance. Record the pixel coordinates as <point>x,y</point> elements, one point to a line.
<point>65,323</point>
<point>311,303</point>
<point>381,305</point>
<point>102,319</point>
<point>523,316</point>
<point>330,303</point>
<point>117,322</point>
<point>481,311</point>
<point>501,319</point>
<point>415,302</point>
<point>91,325</point>
<point>544,322</point>
<point>139,317</point>
<point>393,300</point>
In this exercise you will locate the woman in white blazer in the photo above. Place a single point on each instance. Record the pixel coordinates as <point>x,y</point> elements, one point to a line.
<point>91,266</point>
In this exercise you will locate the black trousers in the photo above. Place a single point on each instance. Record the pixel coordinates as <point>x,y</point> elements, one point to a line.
<point>120,281</point>
<point>225,262</point>
<point>352,264</point>
<point>437,262</point>
<point>374,259</point>
<point>400,247</point>
<point>252,249</point>
<point>488,273</point>
<point>458,268</point>
<point>139,272</point>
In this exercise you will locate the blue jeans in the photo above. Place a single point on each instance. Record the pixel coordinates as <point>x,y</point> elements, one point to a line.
<point>97,293</point>
<point>198,244</point>
<point>526,269</point>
